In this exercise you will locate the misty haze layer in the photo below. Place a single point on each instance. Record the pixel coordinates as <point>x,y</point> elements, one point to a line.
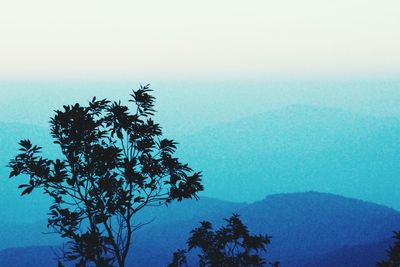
<point>250,139</point>
<point>185,107</point>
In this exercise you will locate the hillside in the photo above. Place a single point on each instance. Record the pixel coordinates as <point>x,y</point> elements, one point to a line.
<point>306,228</point>
<point>350,256</point>
<point>299,148</point>
<point>304,225</point>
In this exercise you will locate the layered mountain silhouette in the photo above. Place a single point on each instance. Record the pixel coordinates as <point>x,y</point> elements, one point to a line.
<point>296,149</point>
<point>355,256</point>
<point>307,229</point>
<point>299,148</point>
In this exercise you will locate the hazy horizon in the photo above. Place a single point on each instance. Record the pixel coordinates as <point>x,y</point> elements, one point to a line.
<point>189,106</point>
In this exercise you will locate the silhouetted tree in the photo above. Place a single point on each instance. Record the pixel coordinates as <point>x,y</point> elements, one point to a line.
<point>179,259</point>
<point>114,164</point>
<point>229,246</point>
<point>393,253</point>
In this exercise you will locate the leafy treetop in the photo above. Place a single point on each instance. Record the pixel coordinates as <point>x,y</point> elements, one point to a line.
<point>229,246</point>
<point>115,162</point>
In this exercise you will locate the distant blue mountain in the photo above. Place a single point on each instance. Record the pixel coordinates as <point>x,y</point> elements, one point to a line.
<point>350,256</point>
<point>306,228</point>
<point>304,225</point>
<point>28,256</point>
<point>299,148</point>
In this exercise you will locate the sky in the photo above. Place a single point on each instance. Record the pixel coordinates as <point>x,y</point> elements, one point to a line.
<point>209,39</point>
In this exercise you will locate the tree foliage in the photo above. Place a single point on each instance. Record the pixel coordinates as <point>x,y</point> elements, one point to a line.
<point>114,163</point>
<point>229,246</point>
<point>393,253</point>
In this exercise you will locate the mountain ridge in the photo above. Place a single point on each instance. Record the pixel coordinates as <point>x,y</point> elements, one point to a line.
<point>346,154</point>
<point>301,233</point>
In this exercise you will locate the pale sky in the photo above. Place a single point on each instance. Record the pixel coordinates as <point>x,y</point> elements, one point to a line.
<point>184,39</point>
